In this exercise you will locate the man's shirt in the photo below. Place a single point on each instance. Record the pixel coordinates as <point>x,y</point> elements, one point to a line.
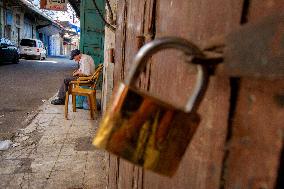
<point>86,65</point>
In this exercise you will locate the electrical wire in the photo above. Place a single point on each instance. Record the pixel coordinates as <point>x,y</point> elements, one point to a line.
<point>101,15</point>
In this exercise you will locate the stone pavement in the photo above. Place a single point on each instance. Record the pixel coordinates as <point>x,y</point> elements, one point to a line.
<point>52,152</point>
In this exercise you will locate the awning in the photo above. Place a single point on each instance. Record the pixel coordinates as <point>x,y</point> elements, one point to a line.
<point>29,5</point>
<point>45,19</point>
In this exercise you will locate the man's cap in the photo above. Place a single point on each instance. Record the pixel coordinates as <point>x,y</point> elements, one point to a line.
<point>74,53</point>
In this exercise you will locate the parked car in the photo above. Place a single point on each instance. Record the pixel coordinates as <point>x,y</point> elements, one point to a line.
<point>32,48</point>
<point>8,51</point>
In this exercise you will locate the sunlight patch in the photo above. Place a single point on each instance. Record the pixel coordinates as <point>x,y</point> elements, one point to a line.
<point>49,61</point>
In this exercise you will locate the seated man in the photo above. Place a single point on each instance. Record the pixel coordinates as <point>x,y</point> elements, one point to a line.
<point>86,68</point>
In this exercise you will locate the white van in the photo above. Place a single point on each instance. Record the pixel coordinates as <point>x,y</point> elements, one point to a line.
<point>32,48</point>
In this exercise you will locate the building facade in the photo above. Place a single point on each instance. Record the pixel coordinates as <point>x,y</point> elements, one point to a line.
<point>22,19</point>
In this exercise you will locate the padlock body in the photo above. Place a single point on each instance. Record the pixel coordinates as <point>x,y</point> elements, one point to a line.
<point>146,131</point>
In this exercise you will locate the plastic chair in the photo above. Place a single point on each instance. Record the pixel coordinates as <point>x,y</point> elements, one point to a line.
<point>75,89</point>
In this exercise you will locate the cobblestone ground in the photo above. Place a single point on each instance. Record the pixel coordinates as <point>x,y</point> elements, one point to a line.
<point>52,152</point>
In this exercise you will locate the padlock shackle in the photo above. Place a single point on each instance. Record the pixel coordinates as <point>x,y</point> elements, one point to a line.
<point>188,48</point>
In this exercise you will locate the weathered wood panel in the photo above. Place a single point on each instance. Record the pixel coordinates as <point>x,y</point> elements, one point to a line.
<point>112,170</point>
<point>201,166</point>
<point>134,28</point>
<point>257,130</point>
<point>256,143</point>
<point>128,173</point>
<point>120,42</point>
<point>172,79</point>
<point>133,14</point>
<point>196,21</point>
<point>148,35</point>
<point>118,75</point>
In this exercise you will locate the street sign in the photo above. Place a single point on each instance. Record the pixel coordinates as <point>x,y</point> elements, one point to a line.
<point>57,5</point>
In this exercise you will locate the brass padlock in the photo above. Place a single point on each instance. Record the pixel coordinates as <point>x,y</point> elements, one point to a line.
<point>145,130</point>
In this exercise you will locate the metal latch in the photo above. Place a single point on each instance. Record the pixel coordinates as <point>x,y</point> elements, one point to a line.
<point>253,50</point>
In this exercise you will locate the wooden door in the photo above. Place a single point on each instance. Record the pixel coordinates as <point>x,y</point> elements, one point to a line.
<point>92,29</point>
<point>238,143</point>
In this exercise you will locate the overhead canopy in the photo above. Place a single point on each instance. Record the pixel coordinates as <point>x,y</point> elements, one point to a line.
<point>34,13</point>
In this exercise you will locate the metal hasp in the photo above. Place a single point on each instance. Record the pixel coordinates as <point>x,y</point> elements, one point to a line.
<point>257,49</point>
<point>189,49</point>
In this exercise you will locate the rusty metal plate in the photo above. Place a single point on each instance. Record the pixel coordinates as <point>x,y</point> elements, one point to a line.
<point>257,49</point>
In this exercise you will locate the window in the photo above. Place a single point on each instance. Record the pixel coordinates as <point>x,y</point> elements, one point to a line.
<point>18,19</point>
<point>9,18</point>
<point>28,42</point>
<point>8,31</point>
